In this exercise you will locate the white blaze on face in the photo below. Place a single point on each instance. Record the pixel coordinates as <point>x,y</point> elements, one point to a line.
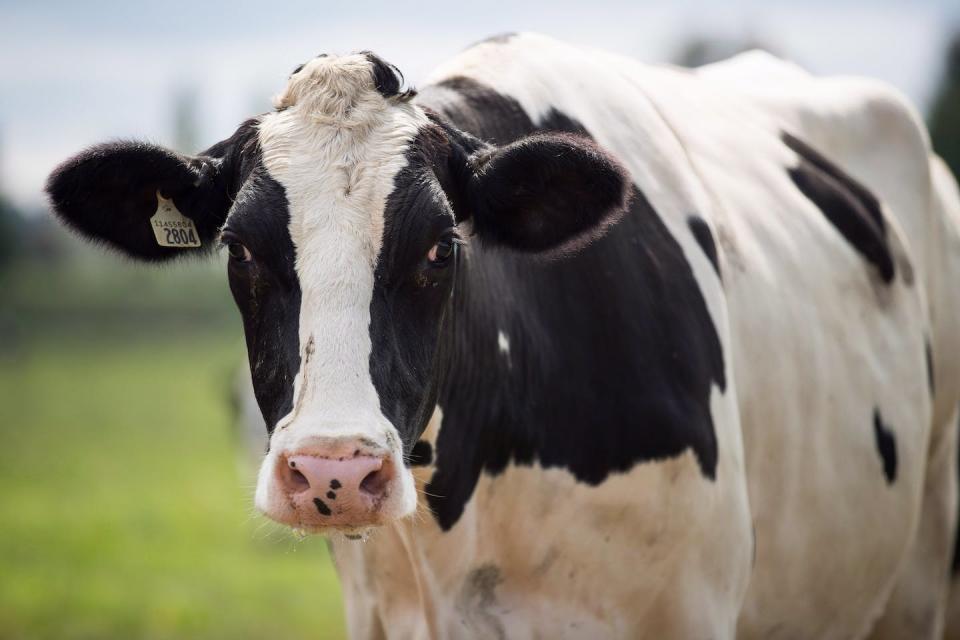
<point>503,346</point>
<point>503,343</point>
<point>336,145</point>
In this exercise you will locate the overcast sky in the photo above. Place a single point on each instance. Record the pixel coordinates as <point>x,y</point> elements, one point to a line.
<point>74,73</point>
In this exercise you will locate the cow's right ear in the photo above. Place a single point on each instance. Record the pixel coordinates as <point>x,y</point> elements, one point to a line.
<point>110,192</point>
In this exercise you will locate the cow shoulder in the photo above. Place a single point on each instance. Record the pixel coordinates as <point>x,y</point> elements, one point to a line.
<point>593,363</point>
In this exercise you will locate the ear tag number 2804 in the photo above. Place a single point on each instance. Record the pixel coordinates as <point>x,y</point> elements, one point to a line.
<point>171,228</point>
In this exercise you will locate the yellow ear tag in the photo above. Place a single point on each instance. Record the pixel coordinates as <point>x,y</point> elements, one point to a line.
<point>172,228</point>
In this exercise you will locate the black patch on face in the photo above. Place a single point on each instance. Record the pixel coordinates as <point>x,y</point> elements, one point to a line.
<point>267,291</point>
<point>613,353</point>
<point>701,233</point>
<point>322,507</point>
<point>929,356</point>
<point>331,495</point>
<point>335,484</point>
<point>886,446</point>
<point>852,209</point>
<point>411,297</point>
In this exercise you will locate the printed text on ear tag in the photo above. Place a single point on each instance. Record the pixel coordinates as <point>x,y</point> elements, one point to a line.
<point>172,228</point>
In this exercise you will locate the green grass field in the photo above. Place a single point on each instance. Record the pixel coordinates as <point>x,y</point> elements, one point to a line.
<point>123,509</point>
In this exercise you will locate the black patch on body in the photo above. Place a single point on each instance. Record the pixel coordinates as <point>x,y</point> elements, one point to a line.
<point>701,233</point>
<point>486,114</point>
<point>955,565</point>
<point>421,455</point>
<point>613,351</point>
<point>477,602</point>
<point>886,447</point>
<point>849,206</point>
<point>928,353</point>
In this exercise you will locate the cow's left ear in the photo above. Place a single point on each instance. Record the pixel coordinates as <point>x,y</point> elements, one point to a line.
<point>551,192</point>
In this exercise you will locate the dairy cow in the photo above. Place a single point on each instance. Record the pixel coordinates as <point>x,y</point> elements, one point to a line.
<point>584,347</point>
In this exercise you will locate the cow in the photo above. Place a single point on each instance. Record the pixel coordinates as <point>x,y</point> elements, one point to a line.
<point>568,345</point>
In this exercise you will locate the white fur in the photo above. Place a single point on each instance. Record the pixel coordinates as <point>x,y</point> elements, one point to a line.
<point>503,346</point>
<point>503,343</point>
<point>336,147</point>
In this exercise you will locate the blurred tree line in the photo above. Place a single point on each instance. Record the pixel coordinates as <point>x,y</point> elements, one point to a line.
<point>9,231</point>
<point>944,118</point>
<point>697,51</point>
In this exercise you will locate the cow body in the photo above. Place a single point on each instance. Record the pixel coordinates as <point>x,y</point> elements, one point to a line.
<point>822,359</point>
<point>694,373</point>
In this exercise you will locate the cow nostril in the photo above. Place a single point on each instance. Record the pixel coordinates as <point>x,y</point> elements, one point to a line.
<point>375,482</point>
<point>300,481</point>
<point>296,481</point>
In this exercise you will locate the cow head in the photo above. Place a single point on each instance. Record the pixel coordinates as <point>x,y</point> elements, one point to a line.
<point>343,213</point>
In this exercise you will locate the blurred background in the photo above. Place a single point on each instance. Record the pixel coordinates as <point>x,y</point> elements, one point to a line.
<point>125,484</point>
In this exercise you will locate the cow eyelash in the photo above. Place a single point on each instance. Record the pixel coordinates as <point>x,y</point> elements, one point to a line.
<point>453,235</point>
<point>448,243</point>
<point>228,241</point>
<point>224,241</point>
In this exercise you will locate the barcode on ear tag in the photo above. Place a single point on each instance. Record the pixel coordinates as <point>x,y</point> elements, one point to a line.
<point>172,228</point>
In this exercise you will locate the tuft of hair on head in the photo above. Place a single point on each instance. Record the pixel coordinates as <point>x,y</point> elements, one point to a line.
<point>343,90</point>
<point>300,66</point>
<point>388,79</point>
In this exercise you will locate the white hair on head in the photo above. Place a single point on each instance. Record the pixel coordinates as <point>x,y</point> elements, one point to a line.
<point>336,90</point>
<point>332,103</point>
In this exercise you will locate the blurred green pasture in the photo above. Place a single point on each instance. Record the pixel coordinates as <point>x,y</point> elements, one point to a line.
<point>125,511</point>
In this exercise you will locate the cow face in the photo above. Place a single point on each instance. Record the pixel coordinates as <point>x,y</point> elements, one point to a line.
<point>343,213</point>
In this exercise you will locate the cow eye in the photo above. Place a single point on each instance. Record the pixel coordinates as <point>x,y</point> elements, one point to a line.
<point>441,252</point>
<point>238,252</point>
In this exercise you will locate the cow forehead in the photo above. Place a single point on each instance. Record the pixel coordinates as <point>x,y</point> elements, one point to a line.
<point>335,144</point>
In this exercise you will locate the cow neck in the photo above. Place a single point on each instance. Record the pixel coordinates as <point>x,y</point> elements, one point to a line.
<point>487,335</point>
